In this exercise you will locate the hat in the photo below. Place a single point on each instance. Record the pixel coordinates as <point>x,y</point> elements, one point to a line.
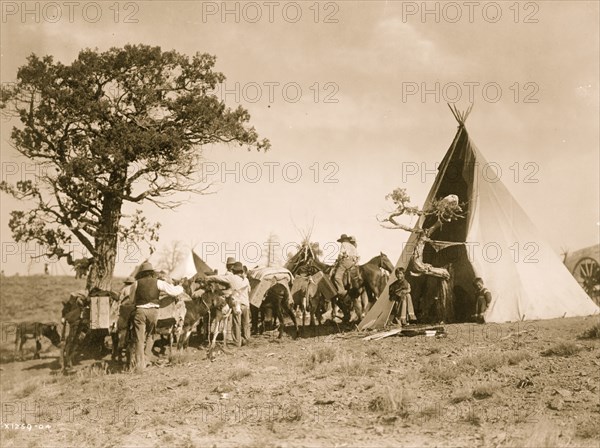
<point>343,238</point>
<point>146,266</point>
<point>352,239</point>
<point>237,268</point>
<point>129,280</point>
<point>230,260</point>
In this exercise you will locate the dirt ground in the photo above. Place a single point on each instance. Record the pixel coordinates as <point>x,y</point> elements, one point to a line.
<point>532,384</point>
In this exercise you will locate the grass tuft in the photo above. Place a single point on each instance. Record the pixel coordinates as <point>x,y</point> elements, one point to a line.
<point>591,333</point>
<point>563,349</point>
<point>485,390</point>
<point>391,401</point>
<point>322,355</point>
<point>240,373</point>
<point>587,429</point>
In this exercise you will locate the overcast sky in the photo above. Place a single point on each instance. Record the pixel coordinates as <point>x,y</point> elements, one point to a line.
<point>338,91</point>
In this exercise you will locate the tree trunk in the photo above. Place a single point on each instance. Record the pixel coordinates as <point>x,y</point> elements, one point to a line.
<point>103,266</point>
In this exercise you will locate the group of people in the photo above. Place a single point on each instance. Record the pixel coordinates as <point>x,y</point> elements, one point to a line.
<point>145,291</point>
<point>403,311</point>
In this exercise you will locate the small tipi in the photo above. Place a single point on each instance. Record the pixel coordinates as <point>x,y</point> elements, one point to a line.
<point>501,245</point>
<point>190,265</point>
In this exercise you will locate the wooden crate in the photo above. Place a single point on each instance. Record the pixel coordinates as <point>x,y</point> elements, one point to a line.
<point>99,312</point>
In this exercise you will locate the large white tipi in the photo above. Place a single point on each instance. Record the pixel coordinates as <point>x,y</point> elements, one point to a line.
<point>527,279</point>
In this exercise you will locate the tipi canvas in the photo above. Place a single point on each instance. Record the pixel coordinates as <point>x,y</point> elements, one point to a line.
<point>501,245</point>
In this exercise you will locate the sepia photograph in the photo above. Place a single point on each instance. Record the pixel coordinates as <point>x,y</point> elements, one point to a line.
<point>290,224</point>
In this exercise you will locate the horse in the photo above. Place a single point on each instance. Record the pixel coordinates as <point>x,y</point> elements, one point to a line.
<point>372,278</point>
<point>364,285</point>
<point>75,313</point>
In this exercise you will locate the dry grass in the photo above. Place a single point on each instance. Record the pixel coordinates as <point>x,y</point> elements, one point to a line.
<point>587,429</point>
<point>462,394</point>
<point>563,349</point>
<point>26,391</point>
<point>591,333</point>
<point>351,365</point>
<point>515,357</point>
<point>546,434</point>
<point>484,361</point>
<point>322,355</point>
<point>438,370</point>
<point>391,401</point>
<point>485,390</point>
<point>180,357</point>
<point>240,373</point>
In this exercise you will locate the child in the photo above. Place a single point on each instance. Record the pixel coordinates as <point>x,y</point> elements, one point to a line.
<point>400,293</point>
<point>482,300</point>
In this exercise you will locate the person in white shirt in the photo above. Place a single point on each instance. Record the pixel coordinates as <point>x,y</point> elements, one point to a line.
<point>240,287</point>
<point>125,293</point>
<point>145,294</point>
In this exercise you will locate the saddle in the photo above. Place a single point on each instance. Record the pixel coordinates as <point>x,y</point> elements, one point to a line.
<point>352,278</point>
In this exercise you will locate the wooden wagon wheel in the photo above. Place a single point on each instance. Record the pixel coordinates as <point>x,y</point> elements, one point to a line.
<point>587,273</point>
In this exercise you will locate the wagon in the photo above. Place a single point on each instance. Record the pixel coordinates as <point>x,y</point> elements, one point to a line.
<point>584,265</point>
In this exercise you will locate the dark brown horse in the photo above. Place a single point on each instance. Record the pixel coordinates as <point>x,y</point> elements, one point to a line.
<point>372,278</point>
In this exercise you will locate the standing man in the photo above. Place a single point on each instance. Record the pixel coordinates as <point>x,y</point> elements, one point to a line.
<point>145,293</point>
<point>126,291</point>
<point>229,264</point>
<point>240,287</point>
<point>347,258</point>
<point>482,300</point>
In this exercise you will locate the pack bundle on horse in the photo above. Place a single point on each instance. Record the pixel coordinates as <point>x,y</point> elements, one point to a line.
<point>90,318</point>
<point>312,290</point>
<point>269,301</point>
<point>221,304</point>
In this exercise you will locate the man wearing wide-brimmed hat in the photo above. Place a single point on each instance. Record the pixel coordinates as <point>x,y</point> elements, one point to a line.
<point>145,293</point>
<point>347,258</point>
<point>229,264</point>
<point>240,286</point>
<point>126,290</point>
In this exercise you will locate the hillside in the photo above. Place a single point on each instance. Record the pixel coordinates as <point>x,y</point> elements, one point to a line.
<point>532,384</point>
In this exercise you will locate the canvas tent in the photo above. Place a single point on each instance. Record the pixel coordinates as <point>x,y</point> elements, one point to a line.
<point>190,265</point>
<point>502,246</point>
